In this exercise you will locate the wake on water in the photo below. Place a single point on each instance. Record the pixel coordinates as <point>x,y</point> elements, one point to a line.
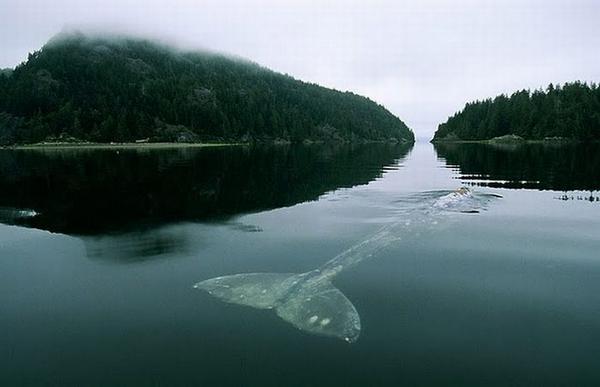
<point>309,301</point>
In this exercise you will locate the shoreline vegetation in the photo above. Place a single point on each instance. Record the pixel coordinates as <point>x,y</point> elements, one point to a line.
<point>144,144</point>
<point>116,145</point>
<point>511,139</point>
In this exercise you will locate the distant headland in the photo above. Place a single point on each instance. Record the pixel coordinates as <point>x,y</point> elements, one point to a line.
<point>557,114</point>
<point>102,89</point>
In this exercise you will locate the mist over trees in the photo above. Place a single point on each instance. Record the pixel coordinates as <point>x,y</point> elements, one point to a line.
<point>570,112</point>
<point>123,89</point>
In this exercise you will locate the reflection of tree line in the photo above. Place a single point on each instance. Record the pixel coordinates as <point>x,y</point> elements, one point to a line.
<point>590,198</point>
<point>534,166</point>
<point>90,192</point>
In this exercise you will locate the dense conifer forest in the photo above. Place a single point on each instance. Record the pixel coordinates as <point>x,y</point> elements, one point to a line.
<point>570,112</point>
<point>102,89</point>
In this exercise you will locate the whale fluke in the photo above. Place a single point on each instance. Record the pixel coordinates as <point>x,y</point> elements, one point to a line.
<point>309,303</point>
<point>322,309</point>
<point>258,290</point>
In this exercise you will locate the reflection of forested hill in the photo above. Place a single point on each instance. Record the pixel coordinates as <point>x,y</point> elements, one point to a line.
<point>536,166</point>
<point>89,192</point>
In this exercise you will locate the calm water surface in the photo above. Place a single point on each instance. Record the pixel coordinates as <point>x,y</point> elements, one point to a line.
<point>99,251</point>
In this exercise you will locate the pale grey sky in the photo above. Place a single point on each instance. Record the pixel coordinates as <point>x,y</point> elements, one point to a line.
<point>422,59</point>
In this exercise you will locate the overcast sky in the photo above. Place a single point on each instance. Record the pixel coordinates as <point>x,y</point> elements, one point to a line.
<point>422,59</point>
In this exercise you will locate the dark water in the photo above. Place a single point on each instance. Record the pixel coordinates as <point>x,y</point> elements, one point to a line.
<point>99,251</point>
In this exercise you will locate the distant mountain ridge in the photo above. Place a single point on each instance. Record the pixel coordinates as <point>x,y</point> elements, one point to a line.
<point>570,112</point>
<point>104,89</point>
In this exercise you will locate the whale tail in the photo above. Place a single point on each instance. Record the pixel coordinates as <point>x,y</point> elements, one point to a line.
<point>311,305</point>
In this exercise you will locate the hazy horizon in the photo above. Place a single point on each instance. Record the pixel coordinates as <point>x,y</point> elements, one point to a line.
<point>422,60</point>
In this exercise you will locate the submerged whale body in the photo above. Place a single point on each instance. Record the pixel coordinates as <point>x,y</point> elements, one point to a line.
<point>309,301</point>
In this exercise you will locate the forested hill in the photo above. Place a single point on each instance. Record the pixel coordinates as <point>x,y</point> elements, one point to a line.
<point>568,112</point>
<point>124,89</point>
